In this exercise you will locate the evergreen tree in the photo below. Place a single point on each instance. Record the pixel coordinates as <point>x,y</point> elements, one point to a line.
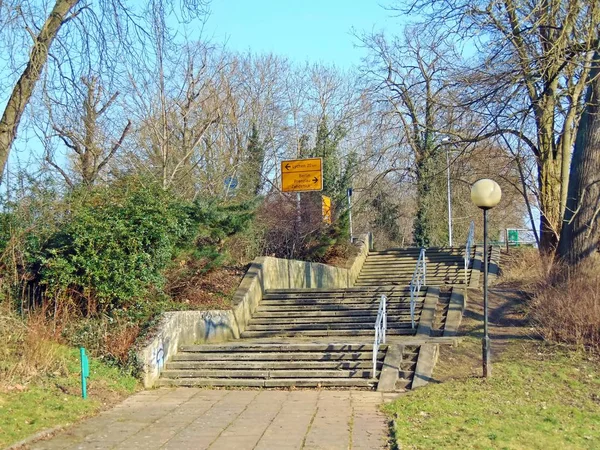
<point>252,173</point>
<point>303,150</point>
<point>336,176</point>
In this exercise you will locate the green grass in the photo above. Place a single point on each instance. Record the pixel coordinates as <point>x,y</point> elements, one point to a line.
<point>55,399</point>
<point>538,398</point>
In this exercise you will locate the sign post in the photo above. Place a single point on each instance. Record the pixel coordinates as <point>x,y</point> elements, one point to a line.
<point>85,371</point>
<point>302,175</point>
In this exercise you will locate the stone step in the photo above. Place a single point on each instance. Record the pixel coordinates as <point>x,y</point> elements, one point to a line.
<point>371,299</point>
<point>429,280</point>
<point>279,365</point>
<point>403,383</point>
<point>271,383</point>
<point>324,326</point>
<point>323,333</point>
<point>390,271</point>
<point>410,262</point>
<point>329,306</point>
<point>269,319</point>
<point>438,261</point>
<point>417,251</point>
<point>343,291</point>
<point>287,305</point>
<point>406,270</point>
<point>395,281</point>
<point>409,271</point>
<point>282,313</point>
<point>276,356</point>
<point>456,282</point>
<point>405,273</point>
<point>268,374</point>
<point>368,301</point>
<point>374,297</point>
<point>396,277</point>
<point>289,346</point>
<point>407,264</point>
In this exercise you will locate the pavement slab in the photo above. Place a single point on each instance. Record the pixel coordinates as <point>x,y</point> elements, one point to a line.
<point>195,419</point>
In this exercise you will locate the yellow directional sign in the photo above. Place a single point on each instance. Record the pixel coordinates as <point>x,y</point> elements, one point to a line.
<point>299,175</point>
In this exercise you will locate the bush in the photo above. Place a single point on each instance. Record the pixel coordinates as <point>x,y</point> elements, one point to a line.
<point>113,244</point>
<point>564,301</point>
<point>566,307</point>
<point>308,239</point>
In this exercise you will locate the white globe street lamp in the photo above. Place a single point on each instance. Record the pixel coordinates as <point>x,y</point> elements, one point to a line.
<point>485,194</point>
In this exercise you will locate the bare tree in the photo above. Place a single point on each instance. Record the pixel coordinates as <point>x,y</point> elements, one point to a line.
<point>177,102</point>
<point>23,89</point>
<point>94,31</point>
<point>530,77</point>
<point>412,75</point>
<point>84,131</point>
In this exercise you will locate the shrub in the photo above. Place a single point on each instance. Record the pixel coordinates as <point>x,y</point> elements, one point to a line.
<point>566,307</point>
<point>309,238</point>
<point>113,244</point>
<point>216,223</point>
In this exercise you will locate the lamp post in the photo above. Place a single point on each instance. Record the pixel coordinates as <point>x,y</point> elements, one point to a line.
<point>446,141</point>
<point>485,194</point>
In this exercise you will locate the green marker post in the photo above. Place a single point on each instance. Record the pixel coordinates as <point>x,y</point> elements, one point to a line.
<point>85,371</point>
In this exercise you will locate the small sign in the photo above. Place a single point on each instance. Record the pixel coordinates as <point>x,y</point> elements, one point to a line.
<point>231,182</point>
<point>326,209</point>
<point>300,175</point>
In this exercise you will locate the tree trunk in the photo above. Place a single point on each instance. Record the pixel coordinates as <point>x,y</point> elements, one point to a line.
<point>23,90</point>
<point>425,215</point>
<point>550,200</point>
<point>581,232</point>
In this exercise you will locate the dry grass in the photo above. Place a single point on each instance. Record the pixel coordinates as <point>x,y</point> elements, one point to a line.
<point>525,267</point>
<point>566,306</point>
<point>565,301</point>
<point>29,349</point>
<point>191,284</point>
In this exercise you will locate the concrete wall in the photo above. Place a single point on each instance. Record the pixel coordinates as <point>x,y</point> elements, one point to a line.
<point>189,327</point>
<point>180,328</point>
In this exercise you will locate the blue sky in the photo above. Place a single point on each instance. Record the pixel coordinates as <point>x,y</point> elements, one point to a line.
<point>304,30</point>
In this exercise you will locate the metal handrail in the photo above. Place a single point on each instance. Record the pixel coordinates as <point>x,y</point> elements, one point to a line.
<point>419,279</point>
<point>468,248</point>
<point>380,330</point>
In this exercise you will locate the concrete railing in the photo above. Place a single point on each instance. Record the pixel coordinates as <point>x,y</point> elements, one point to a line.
<point>189,327</point>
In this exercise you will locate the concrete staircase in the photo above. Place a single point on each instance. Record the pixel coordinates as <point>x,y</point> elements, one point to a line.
<point>441,314</point>
<point>445,266</point>
<point>252,363</point>
<point>331,312</point>
<point>324,337</point>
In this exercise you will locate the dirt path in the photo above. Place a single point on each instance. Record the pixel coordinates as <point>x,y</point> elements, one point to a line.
<point>507,322</point>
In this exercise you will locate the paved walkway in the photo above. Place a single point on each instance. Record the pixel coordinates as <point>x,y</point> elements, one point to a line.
<point>188,418</point>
